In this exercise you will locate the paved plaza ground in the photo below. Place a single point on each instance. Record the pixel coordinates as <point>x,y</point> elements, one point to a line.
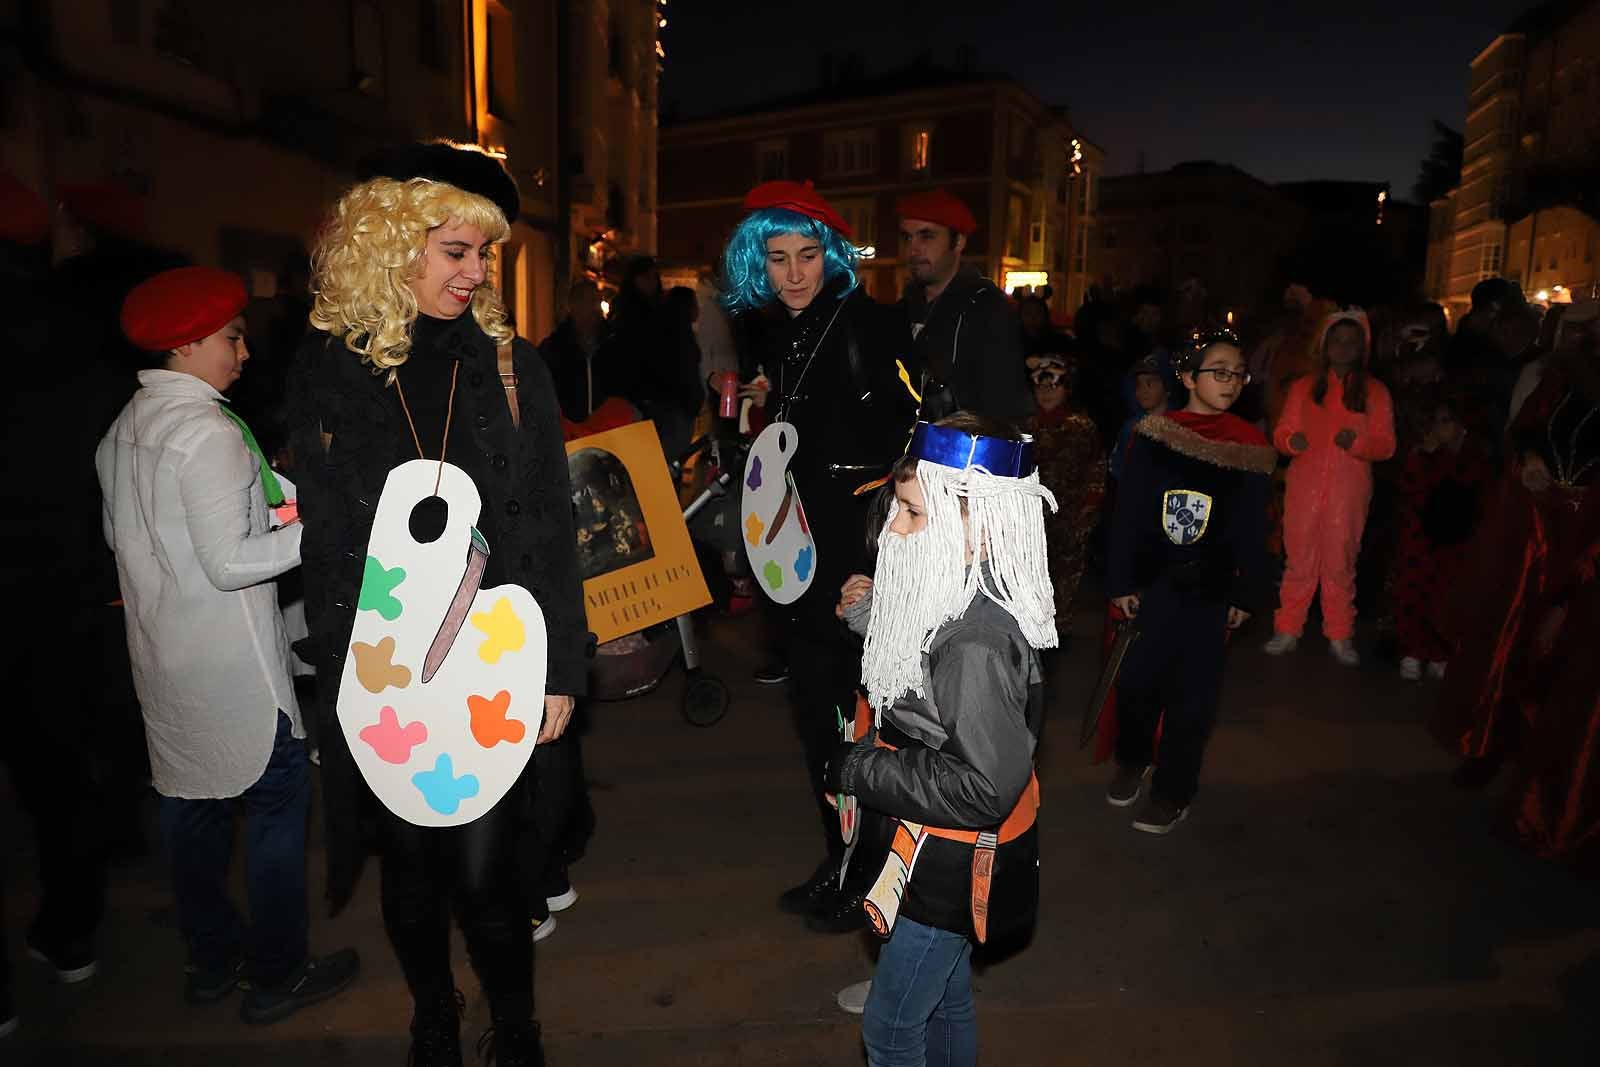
<point>1331,901</point>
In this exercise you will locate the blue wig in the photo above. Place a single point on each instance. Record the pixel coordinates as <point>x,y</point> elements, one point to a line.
<point>744,262</point>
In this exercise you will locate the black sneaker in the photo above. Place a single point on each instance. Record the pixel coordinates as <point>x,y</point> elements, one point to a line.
<point>436,1030</point>
<point>511,1045</point>
<point>72,959</point>
<point>316,979</point>
<point>210,987</point>
<point>1125,787</point>
<point>1158,817</point>
<point>844,917</point>
<point>772,674</point>
<point>815,894</point>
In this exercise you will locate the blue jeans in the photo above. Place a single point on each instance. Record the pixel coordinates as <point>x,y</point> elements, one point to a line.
<point>199,839</point>
<point>920,1010</point>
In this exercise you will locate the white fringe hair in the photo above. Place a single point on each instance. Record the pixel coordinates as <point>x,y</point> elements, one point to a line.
<point>918,592</point>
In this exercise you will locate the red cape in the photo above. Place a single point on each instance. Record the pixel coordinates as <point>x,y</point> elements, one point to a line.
<point>1223,426</point>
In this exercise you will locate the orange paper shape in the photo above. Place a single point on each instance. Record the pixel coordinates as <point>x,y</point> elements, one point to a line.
<point>489,723</point>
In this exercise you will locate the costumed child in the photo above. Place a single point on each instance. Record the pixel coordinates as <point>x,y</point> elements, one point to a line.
<point>952,675</point>
<point>1441,487</point>
<point>1072,466</point>
<point>1335,424</point>
<point>1188,564</point>
<point>1145,390</point>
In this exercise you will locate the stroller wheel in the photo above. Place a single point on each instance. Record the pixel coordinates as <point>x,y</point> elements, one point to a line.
<point>705,700</point>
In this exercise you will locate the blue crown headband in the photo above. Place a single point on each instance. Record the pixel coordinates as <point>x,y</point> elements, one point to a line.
<point>950,447</point>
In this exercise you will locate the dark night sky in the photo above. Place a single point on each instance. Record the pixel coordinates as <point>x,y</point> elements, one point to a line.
<point>1284,90</point>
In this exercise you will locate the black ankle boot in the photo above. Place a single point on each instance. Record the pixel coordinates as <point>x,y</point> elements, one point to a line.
<point>436,1030</point>
<point>816,894</point>
<point>512,1039</point>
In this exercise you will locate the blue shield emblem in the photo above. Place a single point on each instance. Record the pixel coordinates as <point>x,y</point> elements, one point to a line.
<point>1184,514</point>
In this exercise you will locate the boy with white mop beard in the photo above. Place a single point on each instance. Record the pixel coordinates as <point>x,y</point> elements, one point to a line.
<point>952,676</point>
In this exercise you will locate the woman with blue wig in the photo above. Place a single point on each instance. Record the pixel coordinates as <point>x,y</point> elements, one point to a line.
<point>829,351</point>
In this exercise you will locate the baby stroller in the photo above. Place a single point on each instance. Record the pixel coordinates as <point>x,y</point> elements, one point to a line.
<point>637,664</point>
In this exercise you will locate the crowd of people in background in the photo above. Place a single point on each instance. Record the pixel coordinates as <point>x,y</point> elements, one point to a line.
<point>1432,481</point>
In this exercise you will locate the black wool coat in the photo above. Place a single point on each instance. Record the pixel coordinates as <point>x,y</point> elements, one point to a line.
<point>521,475</point>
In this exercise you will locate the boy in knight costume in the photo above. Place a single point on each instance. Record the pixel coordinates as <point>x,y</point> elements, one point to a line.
<point>952,676</point>
<point>1188,563</point>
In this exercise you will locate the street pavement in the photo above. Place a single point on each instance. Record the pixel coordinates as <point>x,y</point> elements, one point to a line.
<point>1331,900</point>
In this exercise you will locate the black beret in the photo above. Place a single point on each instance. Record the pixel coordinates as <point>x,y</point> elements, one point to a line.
<point>464,167</point>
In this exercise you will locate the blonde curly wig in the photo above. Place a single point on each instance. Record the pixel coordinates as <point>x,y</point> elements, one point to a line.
<point>372,245</point>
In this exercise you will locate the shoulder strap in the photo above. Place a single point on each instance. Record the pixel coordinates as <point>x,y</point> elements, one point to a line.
<point>508,380</point>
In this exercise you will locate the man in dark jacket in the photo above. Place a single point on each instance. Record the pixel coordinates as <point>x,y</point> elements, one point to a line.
<point>968,339</point>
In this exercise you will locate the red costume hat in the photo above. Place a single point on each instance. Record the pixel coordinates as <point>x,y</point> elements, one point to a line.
<point>182,305</point>
<point>24,216</point>
<point>800,198</point>
<point>940,207</point>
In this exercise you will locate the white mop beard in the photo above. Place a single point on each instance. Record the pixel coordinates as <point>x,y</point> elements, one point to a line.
<point>923,581</point>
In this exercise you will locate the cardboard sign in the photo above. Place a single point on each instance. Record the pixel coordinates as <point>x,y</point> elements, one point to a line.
<point>777,538</point>
<point>442,694</point>
<point>634,552</point>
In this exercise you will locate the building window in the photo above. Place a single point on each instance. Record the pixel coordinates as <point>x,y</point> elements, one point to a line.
<point>1014,230</point>
<point>125,21</point>
<point>919,154</point>
<point>432,52</point>
<point>862,218</point>
<point>502,52</point>
<point>1490,260</point>
<point>366,26</point>
<point>1085,196</point>
<point>850,153</point>
<point>772,161</point>
<point>1080,253</point>
<point>616,207</point>
<point>1036,232</point>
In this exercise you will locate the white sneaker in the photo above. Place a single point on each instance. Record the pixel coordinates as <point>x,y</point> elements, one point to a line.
<point>1281,644</point>
<point>1436,669</point>
<point>1411,669</point>
<point>562,901</point>
<point>543,928</point>
<point>853,998</point>
<point>9,1026</point>
<point>1345,652</point>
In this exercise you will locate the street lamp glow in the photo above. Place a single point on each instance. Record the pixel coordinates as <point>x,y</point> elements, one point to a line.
<point>1035,278</point>
<point>1542,294</point>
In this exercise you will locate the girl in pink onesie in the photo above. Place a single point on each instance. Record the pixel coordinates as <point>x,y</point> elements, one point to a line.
<point>1336,424</point>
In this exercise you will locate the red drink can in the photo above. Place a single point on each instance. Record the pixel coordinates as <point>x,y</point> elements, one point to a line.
<point>729,393</point>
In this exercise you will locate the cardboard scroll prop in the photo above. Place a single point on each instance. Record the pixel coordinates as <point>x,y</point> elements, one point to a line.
<point>443,689</point>
<point>634,554</point>
<point>777,538</point>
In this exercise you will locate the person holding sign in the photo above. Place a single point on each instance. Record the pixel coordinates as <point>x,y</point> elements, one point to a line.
<point>442,589</point>
<point>842,415</point>
<point>201,526</point>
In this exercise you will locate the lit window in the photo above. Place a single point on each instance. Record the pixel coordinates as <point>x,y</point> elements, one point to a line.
<point>919,150</point>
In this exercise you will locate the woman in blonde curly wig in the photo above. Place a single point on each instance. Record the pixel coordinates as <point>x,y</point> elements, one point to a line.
<point>404,361</point>
<point>374,244</point>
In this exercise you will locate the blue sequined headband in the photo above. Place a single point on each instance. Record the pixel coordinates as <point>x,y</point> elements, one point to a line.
<point>950,447</point>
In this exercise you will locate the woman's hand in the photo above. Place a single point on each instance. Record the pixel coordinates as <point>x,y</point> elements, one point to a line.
<point>1128,605</point>
<point>1299,442</point>
<point>1345,438</point>
<point>1535,474</point>
<point>1237,617</point>
<point>756,390</point>
<point>557,713</point>
<point>854,588</point>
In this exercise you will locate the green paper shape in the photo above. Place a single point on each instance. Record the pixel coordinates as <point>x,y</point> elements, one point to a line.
<point>378,584</point>
<point>773,574</point>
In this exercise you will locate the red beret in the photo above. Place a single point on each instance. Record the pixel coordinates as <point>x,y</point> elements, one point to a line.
<point>799,198</point>
<point>938,206</point>
<point>24,216</point>
<point>179,306</point>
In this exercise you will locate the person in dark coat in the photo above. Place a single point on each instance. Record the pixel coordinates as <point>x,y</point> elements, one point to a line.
<point>832,356</point>
<point>586,375</point>
<point>968,339</point>
<point>446,207</point>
